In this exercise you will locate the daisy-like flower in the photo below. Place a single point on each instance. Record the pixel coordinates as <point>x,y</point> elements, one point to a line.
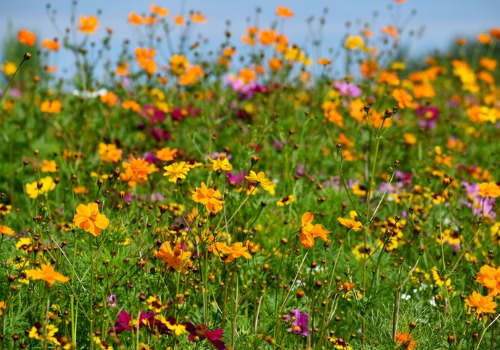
<point>88,25</point>
<point>406,341</point>
<point>34,189</point>
<point>176,171</point>
<point>308,231</point>
<point>166,154</point>
<point>6,230</point>
<point>109,153</point>
<point>490,278</point>
<point>209,197</point>
<point>176,258</point>
<point>198,333</point>
<point>88,218</point>
<point>482,304</point>
<point>351,224</point>
<point>221,163</point>
<point>300,322</point>
<point>260,178</point>
<point>235,251</point>
<point>488,189</point>
<point>137,171</point>
<point>46,273</point>
<point>3,306</point>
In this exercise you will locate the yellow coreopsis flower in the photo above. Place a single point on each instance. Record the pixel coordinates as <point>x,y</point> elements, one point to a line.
<point>34,189</point>
<point>46,273</point>
<point>176,171</point>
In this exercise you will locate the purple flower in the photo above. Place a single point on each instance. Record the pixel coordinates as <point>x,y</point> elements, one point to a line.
<point>159,135</point>
<point>347,89</point>
<point>301,321</point>
<point>198,333</point>
<point>428,115</point>
<point>124,322</point>
<point>236,179</point>
<point>112,301</point>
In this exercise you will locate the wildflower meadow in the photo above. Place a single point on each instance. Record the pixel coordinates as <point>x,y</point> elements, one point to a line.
<point>248,195</point>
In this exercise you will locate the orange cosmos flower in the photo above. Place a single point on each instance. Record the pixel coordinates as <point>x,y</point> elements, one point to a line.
<point>49,166</point>
<point>176,258</point>
<point>109,153</point>
<point>495,32</point>
<point>232,252</point>
<point>132,105</point>
<point>26,37</point>
<point>484,38</point>
<point>267,36</point>
<point>191,75</point>
<point>88,218</point>
<point>488,189</point>
<point>46,273</point>
<point>197,17</point>
<point>482,304</point>
<point>179,20</point>
<point>406,341</point>
<point>391,31</point>
<point>109,98</point>
<point>324,61</point>
<point>122,69</point>
<point>490,278</point>
<point>52,45</point>
<point>2,307</point>
<point>178,64</point>
<point>135,19</point>
<point>403,98</point>
<point>351,224</point>
<point>6,230</point>
<point>166,154</point>
<point>308,231</point>
<point>88,25</point>
<point>209,197</point>
<point>145,59</point>
<point>137,171</point>
<point>284,12</point>
<point>160,11</point>
<point>51,106</point>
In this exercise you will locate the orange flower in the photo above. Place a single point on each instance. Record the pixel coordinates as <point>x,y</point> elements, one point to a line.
<point>49,166</point>
<point>122,69</point>
<point>308,231</point>
<point>128,104</point>
<point>178,64</point>
<point>197,17</point>
<point>484,38</point>
<point>403,98</point>
<point>109,153</point>
<point>46,273</point>
<point>209,197</point>
<point>191,75</point>
<point>166,154</point>
<point>179,20</point>
<point>391,31</point>
<point>26,37</point>
<point>267,36</point>
<point>145,59</point>
<point>109,98</point>
<point>406,341</point>
<point>52,45</point>
<point>267,185</point>
<point>6,230</point>
<point>490,278</point>
<point>88,218</point>
<point>88,25</point>
<point>324,61</point>
<point>135,19</point>
<point>51,106</point>
<point>284,12</point>
<point>2,307</point>
<point>177,258</point>
<point>160,11</point>
<point>488,189</point>
<point>351,224</point>
<point>482,304</point>
<point>232,252</point>
<point>137,171</point>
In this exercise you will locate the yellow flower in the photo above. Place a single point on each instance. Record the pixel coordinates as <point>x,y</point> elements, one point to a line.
<point>354,42</point>
<point>176,171</point>
<point>351,224</point>
<point>8,68</point>
<point>3,306</point>
<point>51,106</point>
<point>88,25</point>
<point>88,218</point>
<point>285,200</point>
<point>46,273</point>
<point>34,189</point>
<point>220,163</point>
<point>266,184</point>
<point>5,209</point>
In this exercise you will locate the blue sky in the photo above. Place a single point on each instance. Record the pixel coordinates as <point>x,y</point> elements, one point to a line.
<point>442,20</point>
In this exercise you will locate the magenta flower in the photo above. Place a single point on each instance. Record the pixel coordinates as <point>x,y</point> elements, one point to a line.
<point>428,116</point>
<point>198,333</point>
<point>301,321</point>
<point>153,114</point>
<point>124,322</point>
<point>112,301</point>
